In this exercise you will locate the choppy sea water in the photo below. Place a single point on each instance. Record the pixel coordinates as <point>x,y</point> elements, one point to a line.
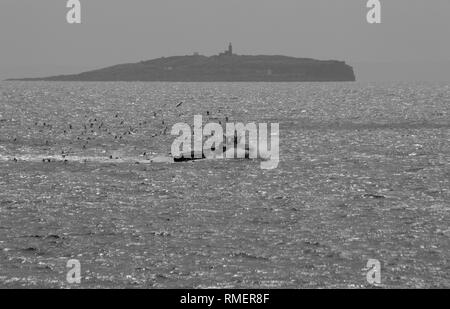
<point>364,174</point>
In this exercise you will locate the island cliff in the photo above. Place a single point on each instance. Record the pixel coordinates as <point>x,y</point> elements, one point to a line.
<point>225,67</point>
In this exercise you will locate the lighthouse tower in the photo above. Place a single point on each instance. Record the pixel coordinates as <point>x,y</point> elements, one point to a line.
<point>228,52</point>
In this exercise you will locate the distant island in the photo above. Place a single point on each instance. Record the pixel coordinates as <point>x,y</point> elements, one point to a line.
<point>225,67</point>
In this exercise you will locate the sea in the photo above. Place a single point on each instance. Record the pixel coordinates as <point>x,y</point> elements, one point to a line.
<point>364,174</point>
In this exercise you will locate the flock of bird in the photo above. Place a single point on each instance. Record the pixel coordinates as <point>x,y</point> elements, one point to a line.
<point>82,135</point>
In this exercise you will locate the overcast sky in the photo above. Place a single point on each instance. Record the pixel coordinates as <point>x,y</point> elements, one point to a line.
<point>411,43</point>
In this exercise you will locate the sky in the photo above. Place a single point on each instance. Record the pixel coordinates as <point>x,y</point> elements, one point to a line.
<point>411,43</point>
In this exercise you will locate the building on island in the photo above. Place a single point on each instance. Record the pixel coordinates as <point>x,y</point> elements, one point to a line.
<point>228,52</point>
